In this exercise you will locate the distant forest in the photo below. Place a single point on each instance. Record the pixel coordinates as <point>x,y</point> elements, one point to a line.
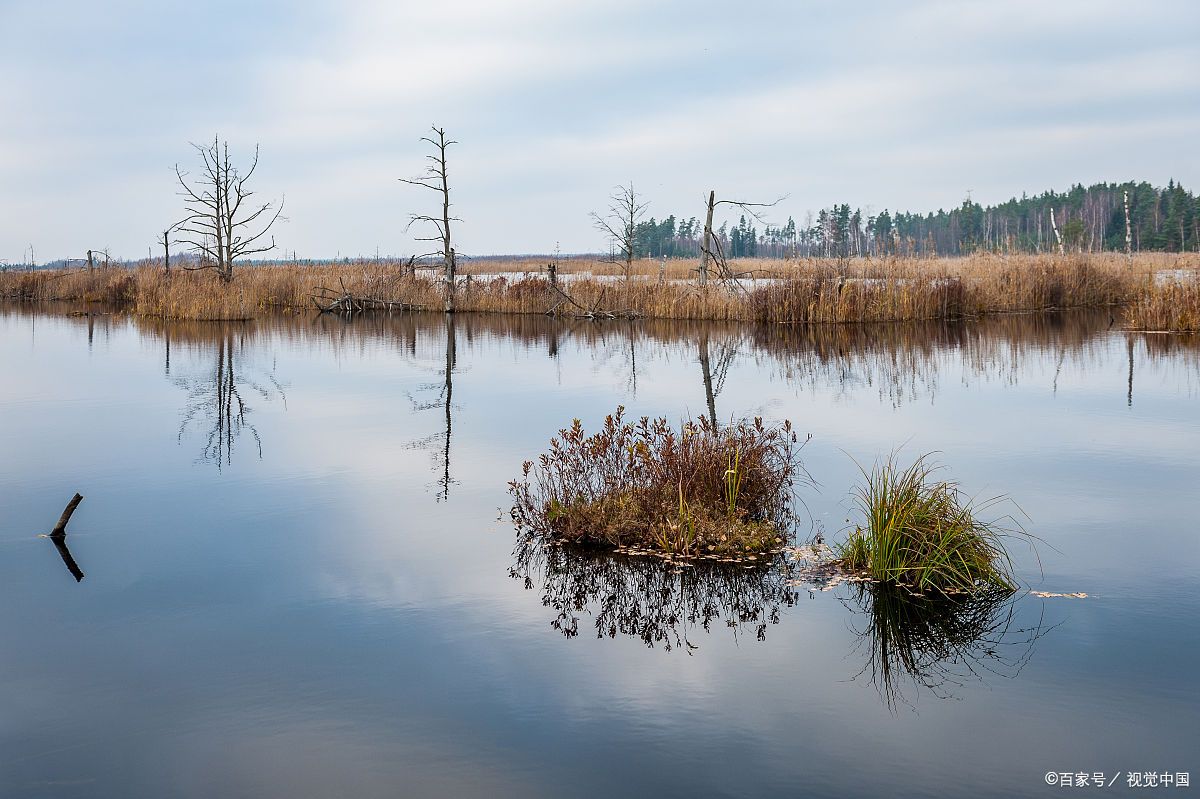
<point>1089,219</point>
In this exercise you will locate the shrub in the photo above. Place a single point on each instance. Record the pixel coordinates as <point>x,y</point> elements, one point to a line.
<point>699,490</point>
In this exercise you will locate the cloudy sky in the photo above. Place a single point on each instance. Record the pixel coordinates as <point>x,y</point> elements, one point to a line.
<point>896,105</point>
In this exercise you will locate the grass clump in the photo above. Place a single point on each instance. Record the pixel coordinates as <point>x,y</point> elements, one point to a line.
<point>925,534</point>
<point>697,491</point>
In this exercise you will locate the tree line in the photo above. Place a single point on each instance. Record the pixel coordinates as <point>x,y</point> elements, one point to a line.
<point>1088,219</point>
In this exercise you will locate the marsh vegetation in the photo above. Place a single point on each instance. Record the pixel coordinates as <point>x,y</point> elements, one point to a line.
<point>921,532</point>
<point>798,291</point>
<point>696,491</point>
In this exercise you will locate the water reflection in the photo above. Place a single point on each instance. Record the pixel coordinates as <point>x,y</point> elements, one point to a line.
<point>902,362</point>
<point>439,443</point>
<point>383,650</point>
<point>938,643</point>
<point>658,602</point>
<point>60,543</point>
<point>714,378</point>
<point>219,398</point>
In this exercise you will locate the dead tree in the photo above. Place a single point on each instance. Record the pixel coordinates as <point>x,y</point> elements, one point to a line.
<point>222,222</point>
<point>620,224</point>
<point>710,247</point>
<point>437,179</point>
<point>343,301</point>
<point>165,241</point>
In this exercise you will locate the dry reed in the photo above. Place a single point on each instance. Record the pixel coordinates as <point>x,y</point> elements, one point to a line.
<point>1172,305</point>
<point>805,291</point>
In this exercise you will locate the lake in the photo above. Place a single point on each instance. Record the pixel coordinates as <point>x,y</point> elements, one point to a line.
<point>299,577</point>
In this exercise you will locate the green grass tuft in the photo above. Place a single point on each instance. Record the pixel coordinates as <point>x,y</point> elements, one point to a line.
<point>924,533</point>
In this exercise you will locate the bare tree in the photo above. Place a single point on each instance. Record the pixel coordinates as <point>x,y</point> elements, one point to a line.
<point>165,240</point>
<point>625,210</point>
<point>436,178</point>
<point>710,245</point>
<point>222,223</point>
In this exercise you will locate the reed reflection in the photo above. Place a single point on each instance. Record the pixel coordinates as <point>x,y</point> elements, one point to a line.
<point>938,643</point>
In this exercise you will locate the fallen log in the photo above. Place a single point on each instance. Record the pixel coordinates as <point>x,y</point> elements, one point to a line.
<point>330,301</point>
<point>595,312</point>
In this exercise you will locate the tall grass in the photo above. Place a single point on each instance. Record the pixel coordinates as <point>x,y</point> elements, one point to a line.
<point>793,292</point>
<point>924,533</point>
<point>1172,305</point>
<point>699,490</point>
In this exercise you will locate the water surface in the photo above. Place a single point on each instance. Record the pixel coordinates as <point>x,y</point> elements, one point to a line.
<point>299,579</point>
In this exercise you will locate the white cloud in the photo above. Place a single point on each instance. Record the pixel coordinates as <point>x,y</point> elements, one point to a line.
<point>555,103</point>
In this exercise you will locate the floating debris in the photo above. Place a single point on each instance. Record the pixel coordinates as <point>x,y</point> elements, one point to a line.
<point>1049,594</point>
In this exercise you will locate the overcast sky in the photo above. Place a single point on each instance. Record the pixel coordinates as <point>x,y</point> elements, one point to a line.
<point>896,105</point>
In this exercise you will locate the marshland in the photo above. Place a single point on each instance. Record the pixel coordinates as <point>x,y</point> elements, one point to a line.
<point>528,400</point>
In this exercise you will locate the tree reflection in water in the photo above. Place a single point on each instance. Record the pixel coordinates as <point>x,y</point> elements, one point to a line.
<point>938,643</point>
<point>217,399</point>
<point>644,597</point>
<point>439,443</point>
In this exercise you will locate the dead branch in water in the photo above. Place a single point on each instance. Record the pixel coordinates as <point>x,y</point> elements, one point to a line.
<point>327,300</point>
<point>60,529</point>
<point>595,312</point>
<point>59,536</point>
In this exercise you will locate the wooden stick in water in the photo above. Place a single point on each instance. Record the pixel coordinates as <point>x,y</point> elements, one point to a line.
<point>60,529</point>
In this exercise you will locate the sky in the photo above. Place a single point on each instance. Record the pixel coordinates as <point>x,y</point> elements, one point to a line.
<point>905,106</point>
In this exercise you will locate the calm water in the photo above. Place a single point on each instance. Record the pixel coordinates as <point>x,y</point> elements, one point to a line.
<point>298,580</point>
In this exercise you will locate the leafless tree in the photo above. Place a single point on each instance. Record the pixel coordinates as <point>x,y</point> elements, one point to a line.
<point>165,240</point>
<point>222,222</point>
<point>710,245</point>
<point>626,208</point>
<point>436,178</point>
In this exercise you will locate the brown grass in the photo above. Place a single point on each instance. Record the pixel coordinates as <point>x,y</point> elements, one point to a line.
<point>1172,305</point>
<point>805,291</point>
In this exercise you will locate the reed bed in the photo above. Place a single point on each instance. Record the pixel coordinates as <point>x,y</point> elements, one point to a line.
<point>699,491</point>
<point>1168,306</point>
<point>789,292</point>
<point>922,533</point>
